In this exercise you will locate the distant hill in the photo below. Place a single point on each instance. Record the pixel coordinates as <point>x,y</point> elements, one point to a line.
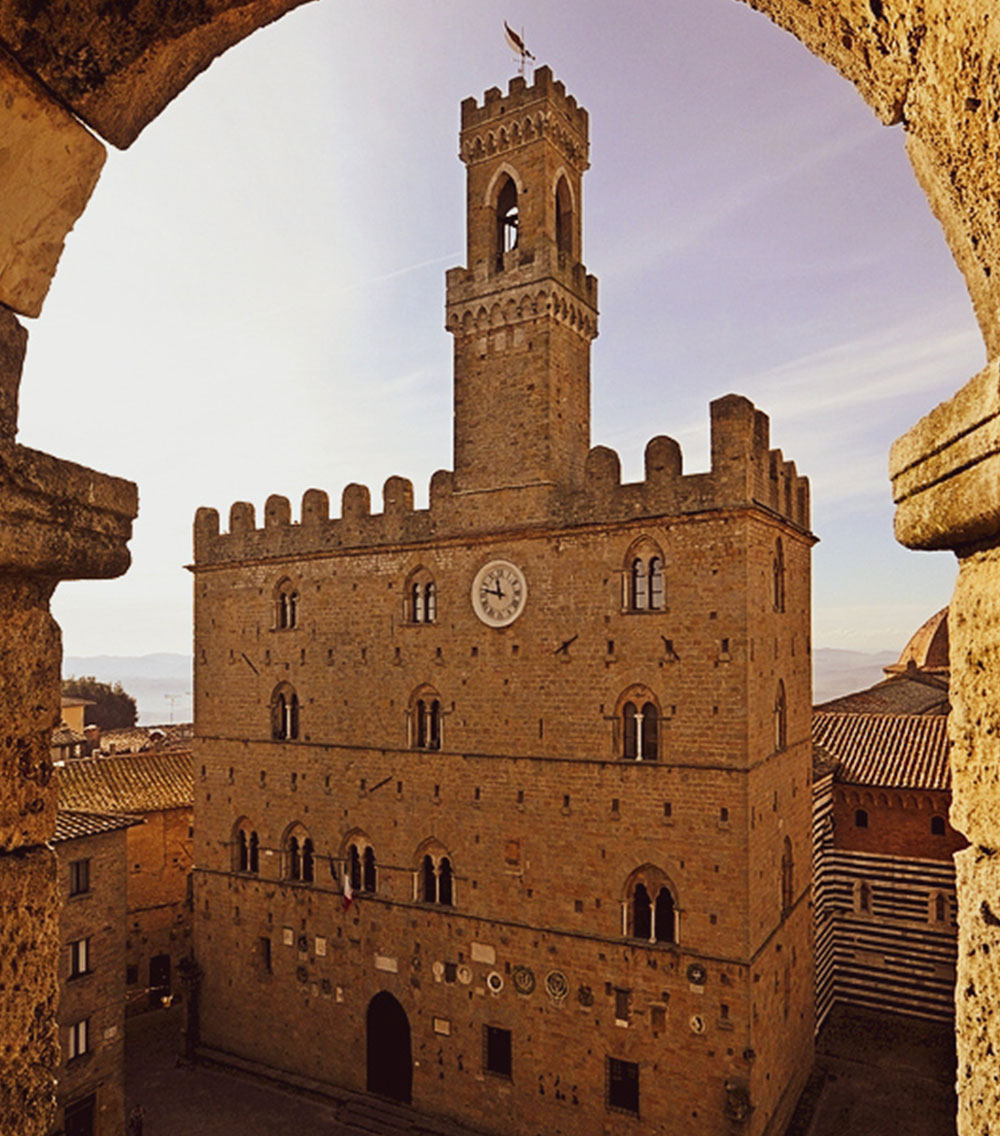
<point>150,679</point>
<point>837,672</point>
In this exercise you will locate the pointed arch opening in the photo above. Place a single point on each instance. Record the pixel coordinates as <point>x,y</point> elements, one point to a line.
<point>507,220</point>
<point>564,217</point>
<point>649,908</point>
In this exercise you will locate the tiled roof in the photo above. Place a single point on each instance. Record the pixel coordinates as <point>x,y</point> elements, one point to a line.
<point>898,751</point>
<point>64,736</point>
<point>898,695</point>
<point>138,739</point>
<point>73,825</point>
<point>131,783</point>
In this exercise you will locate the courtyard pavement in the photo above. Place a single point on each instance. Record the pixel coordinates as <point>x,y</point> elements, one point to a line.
<point>876,1075</point>
<point>879,1074</point>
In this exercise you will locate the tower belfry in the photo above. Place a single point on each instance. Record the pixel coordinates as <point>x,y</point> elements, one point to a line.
<point>524,310</point>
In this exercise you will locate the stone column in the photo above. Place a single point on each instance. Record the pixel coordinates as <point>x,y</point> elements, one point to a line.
<point>946,484</point>
<point>57,521</point>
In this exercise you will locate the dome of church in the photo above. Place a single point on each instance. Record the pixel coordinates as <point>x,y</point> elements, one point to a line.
<point>927,650</point>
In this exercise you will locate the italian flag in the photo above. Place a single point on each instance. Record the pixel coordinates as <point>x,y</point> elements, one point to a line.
<point>348,890</point>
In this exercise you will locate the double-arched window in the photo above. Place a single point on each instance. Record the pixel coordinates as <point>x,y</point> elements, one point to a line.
<point>298,855</point>
<point>421,597</point>
<point>284,713</point>
<point>649,911</point>
<point>246,848</point>
<point>638,725</point>
<point>425,719</point>
<point>645,581</point>
<point>286,605</point>
<point>361,865</point>
<point>435,881</point>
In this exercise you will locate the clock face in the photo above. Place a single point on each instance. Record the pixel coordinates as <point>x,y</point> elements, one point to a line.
<point>498,593</point>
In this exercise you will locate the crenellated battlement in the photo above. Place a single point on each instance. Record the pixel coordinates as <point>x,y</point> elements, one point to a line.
<point>526,112</point>
<point>744,473</point>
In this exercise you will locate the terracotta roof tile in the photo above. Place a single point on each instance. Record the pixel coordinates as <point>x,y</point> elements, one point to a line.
<point>130,783</point>
<point>900,694</point>
<point>898,751</point>
<point>73,825</point>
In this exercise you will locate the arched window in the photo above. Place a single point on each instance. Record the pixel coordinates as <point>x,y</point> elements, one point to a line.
<point>361,865</point>
<point>640,727</point>
<point>284,713</point>
<point>780,718</point>
<point>436,878</point>
<point>787,877</point>
<point>940,907</point>
<point>298,858</point>
<point>937,826</point>
<point>246,851</point>
<point>642,913</point>
<point>860,818</point>
<point>864,897</point>
<point>507,220</point>
<point>778,571</point>
<point>421,597</point>
<point>643,917</point>
<point>564,217</point>
<point>425,720</point>
<point>638,596</point>
<point>286,606</point>
<point>663,917</point>
<point>645,578</point>
<point>655,583</point>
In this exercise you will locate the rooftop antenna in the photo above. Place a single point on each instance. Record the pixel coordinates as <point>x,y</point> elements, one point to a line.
<point>516,43</point>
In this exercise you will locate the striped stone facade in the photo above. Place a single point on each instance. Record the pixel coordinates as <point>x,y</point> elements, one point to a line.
<point>884,875</point>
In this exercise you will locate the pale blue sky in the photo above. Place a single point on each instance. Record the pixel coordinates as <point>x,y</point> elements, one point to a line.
<point>253,301</point>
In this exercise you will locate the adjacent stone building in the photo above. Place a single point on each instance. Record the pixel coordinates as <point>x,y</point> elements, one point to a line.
<point>156,789</point>
<point>886,933</point>
<point>91,1076</point>
<point>503,806</point>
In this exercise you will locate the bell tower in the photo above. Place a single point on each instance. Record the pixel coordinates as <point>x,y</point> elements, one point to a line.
<point>524,311</point>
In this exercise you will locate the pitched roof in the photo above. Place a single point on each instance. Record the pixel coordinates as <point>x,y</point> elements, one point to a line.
<point>131,783</point>
<point>73,825</point>
<point>897,751</point>
<point>913,692</point>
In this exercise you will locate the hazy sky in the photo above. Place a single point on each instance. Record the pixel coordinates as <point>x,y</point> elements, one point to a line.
<point>253,300</point>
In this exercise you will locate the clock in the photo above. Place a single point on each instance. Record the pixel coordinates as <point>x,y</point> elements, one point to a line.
<point>498,593</point>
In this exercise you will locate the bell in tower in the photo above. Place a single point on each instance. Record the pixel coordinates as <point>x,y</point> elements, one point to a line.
<point>524,311</point>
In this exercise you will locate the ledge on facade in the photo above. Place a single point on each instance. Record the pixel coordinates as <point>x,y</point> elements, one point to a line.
<point>945,469</point>
<point>60,519</point>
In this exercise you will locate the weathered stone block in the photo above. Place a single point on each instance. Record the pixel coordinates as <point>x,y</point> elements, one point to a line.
<point>977,991</point>
<point>30,660</point>
<point>13,341</point>
<point>29,956</point>
<point>49,165</point>
<point>118,64</point>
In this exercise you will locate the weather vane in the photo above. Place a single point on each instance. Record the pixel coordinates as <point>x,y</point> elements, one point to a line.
<point>517,44</point>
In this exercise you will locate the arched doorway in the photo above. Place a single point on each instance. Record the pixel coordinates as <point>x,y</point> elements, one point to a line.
<point>390,1068</point>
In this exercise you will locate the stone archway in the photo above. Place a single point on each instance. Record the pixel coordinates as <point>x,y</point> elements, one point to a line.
<point>930,65</point>
<point>389,1060</point>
